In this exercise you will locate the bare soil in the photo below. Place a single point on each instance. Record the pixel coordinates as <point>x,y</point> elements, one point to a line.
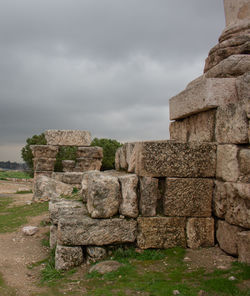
<point>13,187</point>
<point>17,251</point>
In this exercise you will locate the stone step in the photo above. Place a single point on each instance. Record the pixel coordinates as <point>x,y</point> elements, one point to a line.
<point>202,95</point>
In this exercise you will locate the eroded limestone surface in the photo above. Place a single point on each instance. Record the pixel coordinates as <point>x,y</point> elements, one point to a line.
<point>68,137</point>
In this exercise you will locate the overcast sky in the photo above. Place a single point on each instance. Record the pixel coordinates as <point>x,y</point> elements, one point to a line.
<point>107,66</point>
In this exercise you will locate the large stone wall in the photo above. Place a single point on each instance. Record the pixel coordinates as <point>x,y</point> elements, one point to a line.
<point>121,208</point>
<point>206,112</point>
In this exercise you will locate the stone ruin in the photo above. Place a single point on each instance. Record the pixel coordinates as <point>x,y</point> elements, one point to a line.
<point>191,191</point>
<point>47,183</point>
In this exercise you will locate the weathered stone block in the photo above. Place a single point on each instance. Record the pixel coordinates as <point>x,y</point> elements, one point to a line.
<point>238,208</point>
<point>68,137</point>
<point>188,197</point>
<point>231,124</point>
<point>44,151</point>
<point>88,164</point>
<point>200,232</point>
<point>95,254</point>
<point>129,200</point>
<point>72,177</point>
<point>82,231</point>
<point>244,161</point>
<point>58,176</point>
<point>120,159</point>
<point>220,200</point>
<point>44,164</point>
<point>59,208</point>
<point>42,173</point>
<point>227,163</point>
<point>161,232</point>
<point>123,157</point>
<point>233,66</point>
<point>149,194</point>
<point>53,236</point>
<point>48,188</point>
<point>243,87</point>
<point>89,152</point>
<point>172,159</point>
<point>231,202</point>
<point>227,236</point>
<point>68,257</point>
<point>207,94</point>
<point>243,245</point>
<point>198,127</point>
<point>103,195</point>
<point>68,165</point>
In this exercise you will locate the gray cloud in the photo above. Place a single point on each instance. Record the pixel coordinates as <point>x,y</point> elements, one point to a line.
<point>107,66</point>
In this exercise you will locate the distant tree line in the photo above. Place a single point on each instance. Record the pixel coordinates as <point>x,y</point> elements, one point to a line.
<point>69,153</point>
<point>8,165</point>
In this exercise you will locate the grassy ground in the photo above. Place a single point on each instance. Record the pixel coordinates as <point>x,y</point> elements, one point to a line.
<point>150,273</point>
<point>146,273</point>
<point>14,174</point>
<point>12,217</point>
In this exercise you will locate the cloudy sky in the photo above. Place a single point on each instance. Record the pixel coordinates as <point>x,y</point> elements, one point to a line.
<point>107,66</point>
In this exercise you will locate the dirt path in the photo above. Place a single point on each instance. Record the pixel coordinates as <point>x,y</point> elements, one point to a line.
<point>12,187</point>
<point>17,250</point>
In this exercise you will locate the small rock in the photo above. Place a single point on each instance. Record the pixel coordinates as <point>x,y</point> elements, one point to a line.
<point>138,250</point>
<point>29,202</point>
<point>187,259</point>
<point>201,293</point>
<point>105,266</point>
<point>176,292</point>
<point>29,230</point>
<point>222,267</point>
<point>232,278</point>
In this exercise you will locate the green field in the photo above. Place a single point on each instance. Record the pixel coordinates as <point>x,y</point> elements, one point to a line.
<point>14,174</point>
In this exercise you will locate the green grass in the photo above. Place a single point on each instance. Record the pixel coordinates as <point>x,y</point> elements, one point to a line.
<point>150,273</point>
<point>49,273</point>
<point>72,196</point>
<point>24,191</point>
<point>13,217</point>
<point>45,241</point>
<point>158,273</point>
<point>14,174</point>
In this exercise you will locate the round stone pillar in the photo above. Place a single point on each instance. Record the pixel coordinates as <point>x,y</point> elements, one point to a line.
<point>236,11</point>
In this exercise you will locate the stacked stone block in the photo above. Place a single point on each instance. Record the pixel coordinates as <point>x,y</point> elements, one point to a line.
<point>158,207</point>
<point>88,158</point>
<point>175,191</point>
<point>226,123</point>
<point>44,159</point>
<point>215,107</point>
